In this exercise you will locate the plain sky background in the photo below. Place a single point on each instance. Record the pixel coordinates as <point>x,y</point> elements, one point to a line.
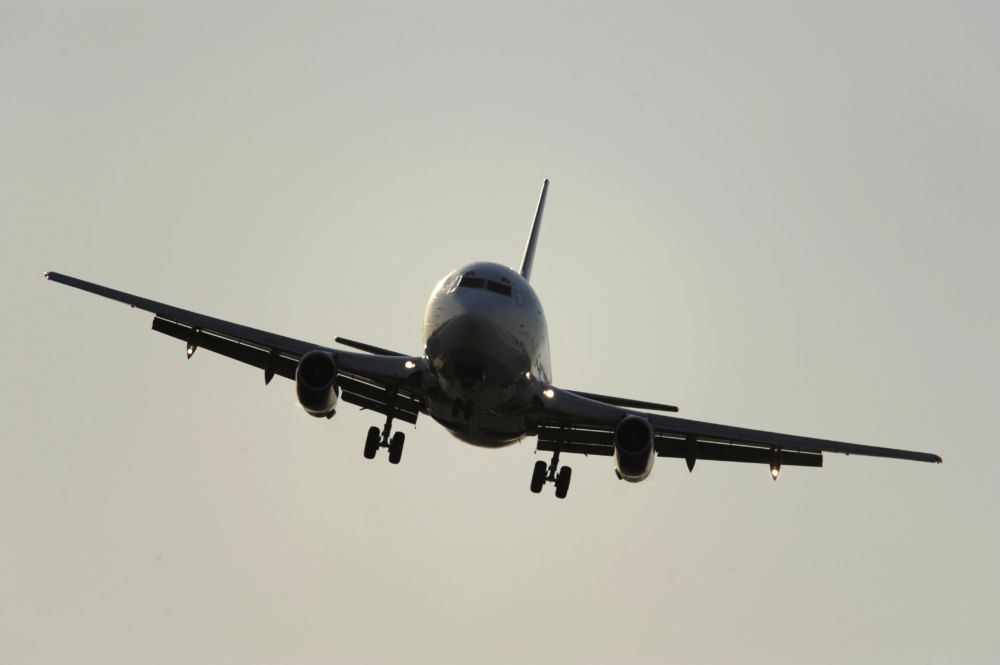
<point>780,215</point>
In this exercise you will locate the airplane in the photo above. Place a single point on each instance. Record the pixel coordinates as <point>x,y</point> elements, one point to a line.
<point>485,375</point>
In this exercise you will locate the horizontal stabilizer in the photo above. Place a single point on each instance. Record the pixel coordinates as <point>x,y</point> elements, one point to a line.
<point>627,403</point>
<point>369,348</point>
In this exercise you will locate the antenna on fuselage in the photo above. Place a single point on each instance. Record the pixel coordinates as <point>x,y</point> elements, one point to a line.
<point>529,250</point>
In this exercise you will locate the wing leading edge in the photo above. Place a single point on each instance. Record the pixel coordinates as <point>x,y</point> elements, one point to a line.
<point>572,423</point>
<point>381,383</point>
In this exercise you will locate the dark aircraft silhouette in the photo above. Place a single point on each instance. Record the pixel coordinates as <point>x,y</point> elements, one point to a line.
<point>484,375</point>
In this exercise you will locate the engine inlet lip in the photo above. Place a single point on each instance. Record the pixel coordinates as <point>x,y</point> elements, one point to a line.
<point>317,376</point>
<point>633,434</point>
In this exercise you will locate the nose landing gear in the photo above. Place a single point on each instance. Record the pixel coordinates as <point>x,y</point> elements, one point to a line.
<point>551,472</point>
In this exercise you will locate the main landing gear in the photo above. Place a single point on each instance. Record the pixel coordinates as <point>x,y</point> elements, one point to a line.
<point>551,472</point>
<point>376,440</point>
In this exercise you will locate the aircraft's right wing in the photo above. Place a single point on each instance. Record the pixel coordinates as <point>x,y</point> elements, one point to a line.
<point>568,422</point>
<point>383,383</point>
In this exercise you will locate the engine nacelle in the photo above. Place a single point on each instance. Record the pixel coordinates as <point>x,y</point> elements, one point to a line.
<point>316,384</point>
<point>634,450</point>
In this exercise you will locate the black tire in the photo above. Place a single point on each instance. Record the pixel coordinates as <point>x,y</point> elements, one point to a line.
<point>562,482</point>
<point>371,443</point>
<point>538,476</point>
<point>396,447</point>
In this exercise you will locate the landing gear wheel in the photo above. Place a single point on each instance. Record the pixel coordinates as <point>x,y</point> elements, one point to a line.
<point>396,447</point>
<point>562,482</point>
<point>538,476</point>
<point>371,443</point>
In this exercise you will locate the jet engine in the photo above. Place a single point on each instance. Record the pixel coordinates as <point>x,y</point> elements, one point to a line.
<point>634,450</point>
<point>316,384</point>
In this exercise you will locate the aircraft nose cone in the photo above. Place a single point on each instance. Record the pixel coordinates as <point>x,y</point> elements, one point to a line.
<point>472,349</point>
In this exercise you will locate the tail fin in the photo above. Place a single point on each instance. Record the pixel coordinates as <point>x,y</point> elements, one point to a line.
<point>529,250</point>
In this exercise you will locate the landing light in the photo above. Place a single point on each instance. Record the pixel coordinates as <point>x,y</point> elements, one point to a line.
<point>549,393</point>
<point>775,470</point>
<point>409,364</point>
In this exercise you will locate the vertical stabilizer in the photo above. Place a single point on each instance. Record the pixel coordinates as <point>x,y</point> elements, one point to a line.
<point>529,250</point>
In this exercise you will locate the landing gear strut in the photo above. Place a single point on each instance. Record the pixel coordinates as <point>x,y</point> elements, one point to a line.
<point>544,473</point>
<point>385,439</point>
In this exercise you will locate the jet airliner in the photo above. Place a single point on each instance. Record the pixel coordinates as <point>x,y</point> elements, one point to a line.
<point>485,375</point>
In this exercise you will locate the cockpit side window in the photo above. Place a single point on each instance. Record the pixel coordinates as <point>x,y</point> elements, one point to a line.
<point>472,282</point>
<point>497,287</point>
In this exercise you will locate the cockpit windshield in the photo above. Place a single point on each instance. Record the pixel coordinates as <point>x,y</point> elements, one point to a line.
<point>471,282</point>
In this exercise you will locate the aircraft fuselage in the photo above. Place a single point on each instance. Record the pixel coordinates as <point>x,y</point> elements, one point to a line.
<point>486,346</point>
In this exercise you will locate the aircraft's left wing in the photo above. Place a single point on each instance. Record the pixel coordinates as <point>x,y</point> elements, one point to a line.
<point>381,383</point>
<point>569,422</point>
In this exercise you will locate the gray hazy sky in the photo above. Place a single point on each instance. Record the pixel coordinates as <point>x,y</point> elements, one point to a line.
<point>778,215</point>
